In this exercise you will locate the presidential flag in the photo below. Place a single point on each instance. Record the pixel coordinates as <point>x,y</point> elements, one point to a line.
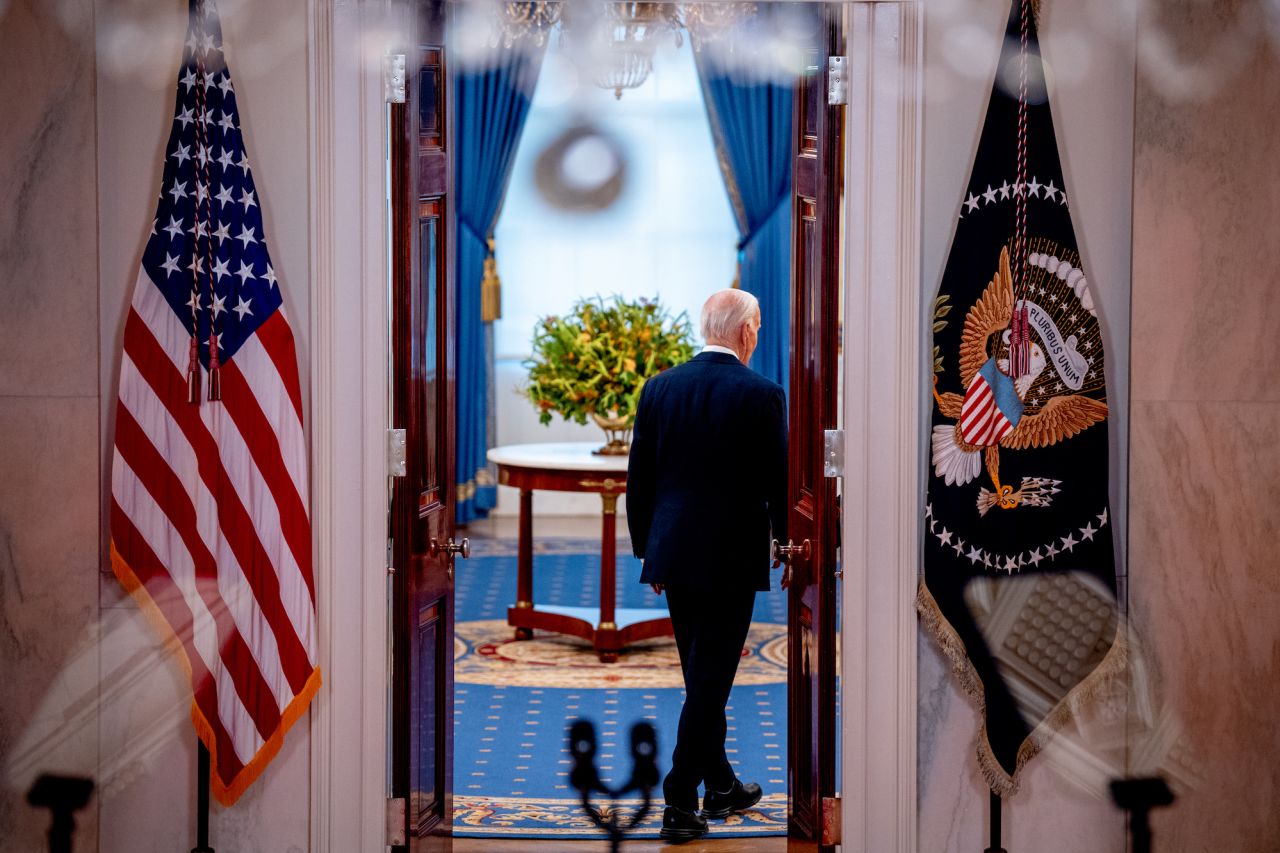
<point>209,519</point>
<point>1018,434</point>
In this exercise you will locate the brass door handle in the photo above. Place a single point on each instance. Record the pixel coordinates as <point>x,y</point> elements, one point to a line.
<point>450,548</point>
<point>787,553</point>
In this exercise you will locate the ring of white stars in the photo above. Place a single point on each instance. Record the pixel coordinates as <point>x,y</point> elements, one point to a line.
<point>1010,563</point>
<point>992,195</point>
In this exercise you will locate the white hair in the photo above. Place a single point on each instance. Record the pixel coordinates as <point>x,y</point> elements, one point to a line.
<point>725,312</point>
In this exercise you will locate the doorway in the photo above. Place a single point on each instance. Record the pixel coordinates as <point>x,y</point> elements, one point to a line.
<point>883,357</point>
<point>426,608</point>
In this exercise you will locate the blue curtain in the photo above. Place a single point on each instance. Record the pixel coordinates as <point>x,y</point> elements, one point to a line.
<point>491,104</point>
<point>751,125</point>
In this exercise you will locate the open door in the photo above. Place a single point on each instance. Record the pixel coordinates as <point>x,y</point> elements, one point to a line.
<point>422,505</point>
<point>813,522</point>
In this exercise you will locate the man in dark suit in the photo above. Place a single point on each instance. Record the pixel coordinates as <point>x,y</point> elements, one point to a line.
<point>706,494</point>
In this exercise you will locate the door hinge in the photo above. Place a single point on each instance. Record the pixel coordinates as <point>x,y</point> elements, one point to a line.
<point>393,78</point>
<point>837,81</point>
<point>833,453</point>
<point>831,820</point>
<point>397,441</point>
<point>395,821</point>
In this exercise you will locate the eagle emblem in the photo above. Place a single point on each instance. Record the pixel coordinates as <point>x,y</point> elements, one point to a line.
<point>1045,401</point>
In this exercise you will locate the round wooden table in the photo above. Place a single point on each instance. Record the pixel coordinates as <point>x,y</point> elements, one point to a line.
<point>573,467</point>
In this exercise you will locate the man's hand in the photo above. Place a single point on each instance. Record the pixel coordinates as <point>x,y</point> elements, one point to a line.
<point>786,572</point>
<point>657,588</point>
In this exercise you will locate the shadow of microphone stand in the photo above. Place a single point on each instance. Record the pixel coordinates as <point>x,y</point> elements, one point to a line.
<point>644,777</point>
<point>63,796</point>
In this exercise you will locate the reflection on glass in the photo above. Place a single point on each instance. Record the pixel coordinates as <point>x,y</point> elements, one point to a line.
<point>428,355</point>
<point>428,101</point>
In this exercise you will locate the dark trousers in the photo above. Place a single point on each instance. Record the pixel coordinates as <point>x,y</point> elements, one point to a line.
<point>710,629</point>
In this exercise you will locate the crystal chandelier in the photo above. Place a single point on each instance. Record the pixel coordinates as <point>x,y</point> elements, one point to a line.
<point>631,30</point>
<point>708,23</point>
<point>529,20</point>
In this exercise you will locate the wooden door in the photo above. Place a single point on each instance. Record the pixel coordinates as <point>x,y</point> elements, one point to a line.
<point>813,521</point>
<point>423,392</point>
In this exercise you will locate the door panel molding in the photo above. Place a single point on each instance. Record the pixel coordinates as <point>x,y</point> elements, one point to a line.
<point>812,508</point>
<point>422,392</point>
<point>883,393</point>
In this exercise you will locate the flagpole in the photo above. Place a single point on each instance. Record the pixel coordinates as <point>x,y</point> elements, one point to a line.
<point>195,13</point>
<point>995,826</point>
<point>202,801</point>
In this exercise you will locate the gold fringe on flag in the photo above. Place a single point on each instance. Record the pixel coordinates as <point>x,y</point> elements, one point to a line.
<point>490,288</point>
<point>1111,669</point>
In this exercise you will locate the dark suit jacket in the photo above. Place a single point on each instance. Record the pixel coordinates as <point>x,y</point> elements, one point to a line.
<point>707,478</point>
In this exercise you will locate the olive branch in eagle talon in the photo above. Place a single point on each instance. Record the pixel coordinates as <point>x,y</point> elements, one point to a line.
<point>958,454</point>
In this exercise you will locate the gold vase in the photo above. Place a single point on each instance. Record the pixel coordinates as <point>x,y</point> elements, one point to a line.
<point>617,432</point>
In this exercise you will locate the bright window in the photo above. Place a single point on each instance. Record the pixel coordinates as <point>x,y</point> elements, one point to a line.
<point>671,233</point>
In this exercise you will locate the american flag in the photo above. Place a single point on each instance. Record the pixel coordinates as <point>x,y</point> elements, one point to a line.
<point>209,519</point>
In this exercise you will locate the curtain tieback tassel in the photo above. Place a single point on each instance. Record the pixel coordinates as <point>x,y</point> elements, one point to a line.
<point>490,288</point>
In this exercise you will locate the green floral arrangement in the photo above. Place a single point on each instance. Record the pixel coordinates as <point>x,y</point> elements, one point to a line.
<point>595,360</point>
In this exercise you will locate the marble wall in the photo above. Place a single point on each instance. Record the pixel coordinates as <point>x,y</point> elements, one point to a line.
<point>49,461</point>
<point>1205,475</point>
<point>86,88</point>
<point>1088,49</point>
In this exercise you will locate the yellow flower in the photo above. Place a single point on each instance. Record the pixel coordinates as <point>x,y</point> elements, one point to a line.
<point>629,365</point>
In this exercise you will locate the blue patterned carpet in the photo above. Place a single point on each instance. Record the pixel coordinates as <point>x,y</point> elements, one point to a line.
<point>515,700</point>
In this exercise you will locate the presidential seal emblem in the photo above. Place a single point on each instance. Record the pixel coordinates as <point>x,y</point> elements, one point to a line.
<point>1058,393</point>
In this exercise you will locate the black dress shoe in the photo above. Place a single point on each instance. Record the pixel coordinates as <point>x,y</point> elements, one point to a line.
<point>681,825</point>
<point>717,804</point>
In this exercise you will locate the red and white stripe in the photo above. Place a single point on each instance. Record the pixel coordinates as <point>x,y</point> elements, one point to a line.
<point>209,522</point>
<point>981,422</point>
